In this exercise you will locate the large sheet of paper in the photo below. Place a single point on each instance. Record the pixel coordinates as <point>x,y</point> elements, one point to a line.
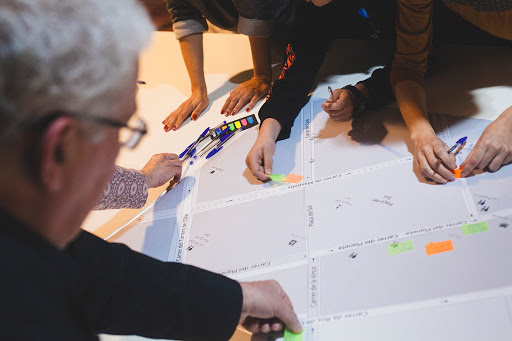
<point>364,242</point>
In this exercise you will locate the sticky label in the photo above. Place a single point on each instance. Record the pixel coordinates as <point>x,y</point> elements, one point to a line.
<point>400,247</point>
<point>290,336</point>
<point>457,172</point>
<point>277,177</point>
<point>294,178</point>
<point>434,248</point>
<point>474,228</point>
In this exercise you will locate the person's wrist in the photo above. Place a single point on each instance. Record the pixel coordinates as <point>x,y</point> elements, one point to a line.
<point>270,128</point>
<point>202,91</point>
<point>264,78</point>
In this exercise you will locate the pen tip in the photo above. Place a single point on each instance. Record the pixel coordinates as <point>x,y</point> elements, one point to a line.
<point>462,140</point>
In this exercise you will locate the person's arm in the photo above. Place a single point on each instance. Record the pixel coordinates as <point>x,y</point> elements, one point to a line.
<point>250,92</point>
<point>288,94</point>
<point>119,191</point>
<point>494,148</point>
<point>188,24</point>
<point>119,291</point>
<point>192,51</point>
<point>128,188</point>
<point>414,42</point>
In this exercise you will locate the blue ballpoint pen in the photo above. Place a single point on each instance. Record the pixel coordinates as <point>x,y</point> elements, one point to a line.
<point>192,148</point>
<point>223,140</point>
<point>211,144</point>
<point>459,142</point>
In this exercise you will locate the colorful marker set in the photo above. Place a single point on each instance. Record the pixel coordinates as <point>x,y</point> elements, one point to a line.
<point>242,123</point>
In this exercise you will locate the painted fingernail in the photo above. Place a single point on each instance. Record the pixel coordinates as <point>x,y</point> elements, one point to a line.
<point>247,109</point>
<point>174,128</point>
<point>194,117</point>
<point>222,112</point>
<point>233,112</point>
<point>166,128</point>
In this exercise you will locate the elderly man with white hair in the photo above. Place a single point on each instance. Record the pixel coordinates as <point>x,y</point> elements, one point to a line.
<point>67,86</point>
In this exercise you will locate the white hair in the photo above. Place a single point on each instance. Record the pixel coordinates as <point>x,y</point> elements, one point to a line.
<point>71,56</point>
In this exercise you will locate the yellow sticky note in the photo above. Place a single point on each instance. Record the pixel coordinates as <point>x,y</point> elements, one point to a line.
<point>434,248</point>
<point>293,178</point>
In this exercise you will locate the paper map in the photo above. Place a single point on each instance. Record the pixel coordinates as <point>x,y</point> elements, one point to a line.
<point>362,243</point>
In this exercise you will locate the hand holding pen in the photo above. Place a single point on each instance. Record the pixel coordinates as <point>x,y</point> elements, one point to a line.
<point>339,105</point>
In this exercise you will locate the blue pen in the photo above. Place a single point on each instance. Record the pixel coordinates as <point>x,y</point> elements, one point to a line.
<point>459,142</point>
<point>185,151</point>
<point>192,148</point>
<point>210,145</point>
<point>223,140</point>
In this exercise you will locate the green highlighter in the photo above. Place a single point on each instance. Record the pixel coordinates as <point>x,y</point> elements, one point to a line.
<point>290,336</point>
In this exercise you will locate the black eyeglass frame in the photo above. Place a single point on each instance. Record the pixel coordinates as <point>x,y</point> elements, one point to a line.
<point>139,132</point>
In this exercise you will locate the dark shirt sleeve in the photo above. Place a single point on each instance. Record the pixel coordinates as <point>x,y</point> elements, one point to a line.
<point>186,19</point>
<point>120,291</point>
<point>304,56</point>
<point>256,18</point>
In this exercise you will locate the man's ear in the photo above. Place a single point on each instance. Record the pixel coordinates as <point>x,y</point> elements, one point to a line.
<point>56,151</point>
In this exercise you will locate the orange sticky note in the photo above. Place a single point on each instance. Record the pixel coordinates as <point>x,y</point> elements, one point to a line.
<point>433,248</point>
<point>293,178</point>
<point>457,172</point>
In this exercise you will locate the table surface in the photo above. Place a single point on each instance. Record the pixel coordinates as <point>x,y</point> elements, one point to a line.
<point>464,85</point>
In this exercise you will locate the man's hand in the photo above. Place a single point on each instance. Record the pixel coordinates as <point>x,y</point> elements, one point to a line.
<point>195,105</point>
<point>162,168</point>
<point>494,148</point>
<point>250,92</point>
<point>342,108</point>
<point>259,159</point>
<point>266,307</point>
<point>432,157</point>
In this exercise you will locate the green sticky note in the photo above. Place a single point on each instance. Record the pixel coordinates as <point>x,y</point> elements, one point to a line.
<point>474,228</point>
<point>277,177</point>
<point>290,336</point>
<point>399,247</point>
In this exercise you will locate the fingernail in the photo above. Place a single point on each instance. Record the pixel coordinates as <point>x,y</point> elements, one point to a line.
<point>166,128</point>
<point>247,109</point>
<point>194,117</point>
<point>268,171</point>
<point>174,128</point>
<point>222,112</point>
<point>233,112</point>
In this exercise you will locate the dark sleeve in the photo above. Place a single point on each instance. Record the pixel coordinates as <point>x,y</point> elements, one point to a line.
<point>120,291</point>
<point>379,87</point>
<point>304,56</point>
<point>256,18</point>
<point>186,19</point>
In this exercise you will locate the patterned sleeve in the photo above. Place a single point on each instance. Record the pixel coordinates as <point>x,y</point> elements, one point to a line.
<point>128,188</point>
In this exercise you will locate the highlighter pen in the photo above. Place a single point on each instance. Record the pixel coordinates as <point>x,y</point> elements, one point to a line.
<point>330,92</point>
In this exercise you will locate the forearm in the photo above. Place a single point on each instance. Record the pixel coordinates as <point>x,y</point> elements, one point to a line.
<point>127,189</point>
<point>412,101</point>
<point>192,52</point>
<point>260,49</point>
<point>125,292</point>
<point>270,128</point>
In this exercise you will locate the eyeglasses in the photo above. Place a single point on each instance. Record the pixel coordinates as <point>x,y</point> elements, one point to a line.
<point>130,133</point>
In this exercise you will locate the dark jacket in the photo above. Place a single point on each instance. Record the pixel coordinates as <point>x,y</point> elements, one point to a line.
<point>97,287</point>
